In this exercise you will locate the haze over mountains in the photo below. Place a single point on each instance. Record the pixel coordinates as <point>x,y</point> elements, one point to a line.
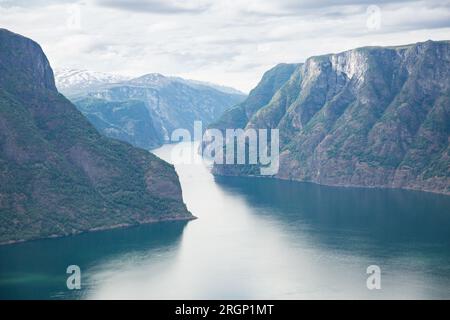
<point>58,175</point>
<point>144,110</point>
<point>370,117</point>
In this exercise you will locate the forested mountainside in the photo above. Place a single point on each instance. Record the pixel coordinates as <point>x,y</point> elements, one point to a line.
<point>370,117</point>
<point>58,175</point>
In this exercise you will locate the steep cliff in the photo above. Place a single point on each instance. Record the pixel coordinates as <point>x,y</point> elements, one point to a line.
<point>58,175</point>
<point>371,117</point>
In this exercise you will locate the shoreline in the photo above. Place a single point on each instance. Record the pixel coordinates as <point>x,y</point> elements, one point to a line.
<point>99,229</point>
<point>344,186</point>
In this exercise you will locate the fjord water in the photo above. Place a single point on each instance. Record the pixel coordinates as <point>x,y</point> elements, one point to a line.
<point>254,239</point>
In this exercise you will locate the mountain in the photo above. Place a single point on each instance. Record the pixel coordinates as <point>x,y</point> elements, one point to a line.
<point>72,81</point>
<point>145,110</point>
<point>239,115</point>
<point>368,117</point>
<point>59,175</point>
<point>218,87</point>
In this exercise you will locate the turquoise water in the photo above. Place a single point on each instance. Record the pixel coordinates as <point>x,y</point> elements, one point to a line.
<point>254,239</point>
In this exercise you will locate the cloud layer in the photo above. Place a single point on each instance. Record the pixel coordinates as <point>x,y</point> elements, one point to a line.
<point>229,42</point>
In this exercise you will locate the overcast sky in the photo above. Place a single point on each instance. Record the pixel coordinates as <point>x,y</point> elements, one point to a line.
<point>223,41</point>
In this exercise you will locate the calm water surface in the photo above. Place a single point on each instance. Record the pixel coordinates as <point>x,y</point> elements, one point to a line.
<point>254,239</point>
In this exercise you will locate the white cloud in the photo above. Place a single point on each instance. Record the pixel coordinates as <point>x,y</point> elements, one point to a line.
<point>224,41</point>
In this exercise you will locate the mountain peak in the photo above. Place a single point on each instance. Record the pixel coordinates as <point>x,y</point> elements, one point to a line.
<point>151,79</point>
<point>58,175</point>
<point>68,79</point>
<point>23,64</point>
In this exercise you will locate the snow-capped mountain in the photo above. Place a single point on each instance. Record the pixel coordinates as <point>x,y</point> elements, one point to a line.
<point>73,80</point>
<point>144,110</point>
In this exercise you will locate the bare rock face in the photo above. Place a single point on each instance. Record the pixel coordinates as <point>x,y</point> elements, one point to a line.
<point>371,117</point>
<point>58,175</point>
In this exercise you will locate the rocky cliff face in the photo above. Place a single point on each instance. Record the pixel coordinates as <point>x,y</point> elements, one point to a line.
<point>239,115</point>
<point>58,175</point>
<point>372,117</point>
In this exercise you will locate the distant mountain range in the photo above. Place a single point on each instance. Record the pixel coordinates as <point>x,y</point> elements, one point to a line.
<point>371,117</point>
<point>58,175</point>
<point>144,110</point>
<point>69,81</point>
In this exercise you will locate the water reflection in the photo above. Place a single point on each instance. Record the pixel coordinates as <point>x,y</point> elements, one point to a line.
<point>254,239</point>
<point>36,269</point>
<point>383,214</point>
